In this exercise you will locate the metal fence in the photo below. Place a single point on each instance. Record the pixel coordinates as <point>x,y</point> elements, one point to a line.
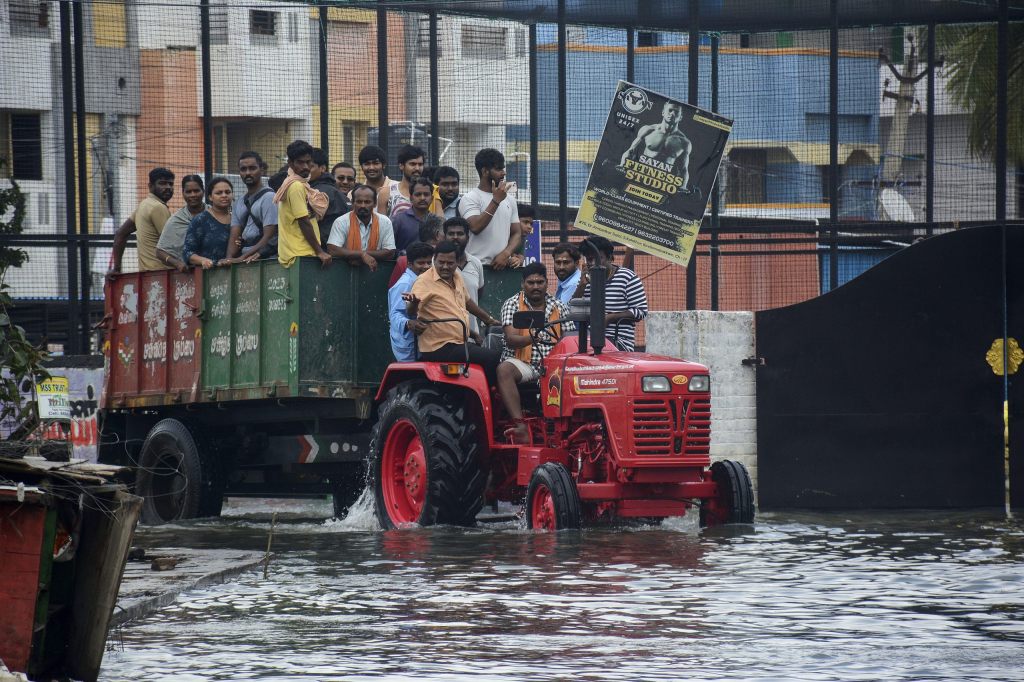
<point>855,133</point>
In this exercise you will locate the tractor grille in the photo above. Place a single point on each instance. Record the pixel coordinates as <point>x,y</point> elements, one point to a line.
<point>672,426</point>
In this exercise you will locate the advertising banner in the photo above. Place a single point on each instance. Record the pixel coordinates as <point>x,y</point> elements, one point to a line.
<point>53,399</point>
<point>654,171</point>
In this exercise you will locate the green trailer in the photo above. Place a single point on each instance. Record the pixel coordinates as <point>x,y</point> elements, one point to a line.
<point>250,380</point>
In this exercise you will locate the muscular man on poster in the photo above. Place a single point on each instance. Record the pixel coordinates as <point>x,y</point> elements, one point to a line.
<point>663,143</point>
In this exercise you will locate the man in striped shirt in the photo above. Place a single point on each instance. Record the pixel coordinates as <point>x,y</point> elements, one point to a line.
<point>625,299</point>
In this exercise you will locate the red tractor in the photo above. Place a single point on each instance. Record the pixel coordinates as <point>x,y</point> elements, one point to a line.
<point>613,436</point>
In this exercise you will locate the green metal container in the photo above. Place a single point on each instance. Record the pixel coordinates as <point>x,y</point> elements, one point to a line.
<point>270,331</point>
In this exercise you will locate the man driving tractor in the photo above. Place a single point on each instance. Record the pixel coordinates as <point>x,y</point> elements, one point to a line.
<point>525,349</point>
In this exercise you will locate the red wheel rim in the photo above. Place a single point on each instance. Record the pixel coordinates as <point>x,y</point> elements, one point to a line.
<point>542,509</point>
<point>403,474</point>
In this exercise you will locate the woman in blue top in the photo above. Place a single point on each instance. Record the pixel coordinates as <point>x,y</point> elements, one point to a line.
<point>206,243</point>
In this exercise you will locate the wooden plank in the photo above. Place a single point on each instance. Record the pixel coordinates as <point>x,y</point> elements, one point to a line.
<point>102,554</point>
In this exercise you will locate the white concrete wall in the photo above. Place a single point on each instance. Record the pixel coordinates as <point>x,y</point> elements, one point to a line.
<point>489,91</point>
<point>720,340</point>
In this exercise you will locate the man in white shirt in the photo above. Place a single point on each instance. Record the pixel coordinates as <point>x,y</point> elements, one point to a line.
<point>373,241</point>
<point>492,214</point>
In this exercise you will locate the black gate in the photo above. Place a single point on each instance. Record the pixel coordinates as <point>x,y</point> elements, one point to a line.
<point>882,393</point>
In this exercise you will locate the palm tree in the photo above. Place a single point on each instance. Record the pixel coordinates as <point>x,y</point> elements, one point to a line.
<point>970,53</point>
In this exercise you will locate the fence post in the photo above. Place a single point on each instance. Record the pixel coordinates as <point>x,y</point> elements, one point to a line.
<point>325,105</point>
<point>204,36</point>
<point>715,207</point>
<point>833,146</point>
<point>929,196</point>
<point>70,201</point>
<point>630,54</point>
<point>1002,80</point>
<point>83,179</point>
<point>563,128</point>
<point>693,73</point>
<point>435,104</point>
<point>534,124</point>
<point>382,80</point>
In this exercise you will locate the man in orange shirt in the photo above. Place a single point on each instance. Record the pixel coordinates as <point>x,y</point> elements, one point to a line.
<point>440,293</point>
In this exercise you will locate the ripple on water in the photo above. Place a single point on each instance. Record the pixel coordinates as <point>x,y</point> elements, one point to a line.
<point>809,597</point>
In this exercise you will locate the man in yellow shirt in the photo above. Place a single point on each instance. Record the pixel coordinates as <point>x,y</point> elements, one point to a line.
<point>298,232</point>
<point>439,293</point>
<point>148,222</point>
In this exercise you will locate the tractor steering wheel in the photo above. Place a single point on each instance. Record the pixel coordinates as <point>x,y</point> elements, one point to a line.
<point>535,333</point>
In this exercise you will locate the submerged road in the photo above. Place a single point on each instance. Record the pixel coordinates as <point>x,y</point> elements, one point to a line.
<point>923,595</point>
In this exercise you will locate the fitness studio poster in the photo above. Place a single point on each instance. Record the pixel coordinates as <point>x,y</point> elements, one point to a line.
<point>652,178</point>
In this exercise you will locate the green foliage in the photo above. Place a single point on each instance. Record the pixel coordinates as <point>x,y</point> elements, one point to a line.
<point>19,359</point>
<point>12,215</point>
<point>971,53</point>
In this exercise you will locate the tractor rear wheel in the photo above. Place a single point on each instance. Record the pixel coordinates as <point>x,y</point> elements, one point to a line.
<point>425,459</point>
<point>734,502</point>
<point>177,477</point>
<point>552,501</point>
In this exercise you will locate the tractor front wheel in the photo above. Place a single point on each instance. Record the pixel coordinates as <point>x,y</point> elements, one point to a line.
<point>552,501</point>
<point>734,501</point>
<point>424,459</point>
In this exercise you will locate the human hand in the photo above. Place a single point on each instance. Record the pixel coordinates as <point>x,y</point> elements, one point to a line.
<point>500,261</point>
<point>206,263</point>
<point>183,268</point>
<point>251,257</point>
<point>112,274</point>
<point>410,297</point>
<point>416,327</point>
<point>515,260</point>
<point>501,192</point>
<point>369,261</point>
<point>325,258</point>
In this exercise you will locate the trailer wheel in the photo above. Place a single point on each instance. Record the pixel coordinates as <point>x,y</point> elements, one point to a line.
<point>346,486</point>
<point>176,478</point>
<point>734,502</point>
<point>424,456</point>
<point>552,501</point>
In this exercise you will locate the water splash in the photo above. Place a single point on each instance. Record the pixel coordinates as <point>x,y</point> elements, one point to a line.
<point>361,516</point>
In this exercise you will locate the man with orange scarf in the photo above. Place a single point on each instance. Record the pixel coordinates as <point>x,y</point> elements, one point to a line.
<point>362,236</point>
<point>523,358</point>
<point>299,208</point>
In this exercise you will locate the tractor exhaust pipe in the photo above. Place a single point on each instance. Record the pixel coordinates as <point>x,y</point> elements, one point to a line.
<point>598,275</point>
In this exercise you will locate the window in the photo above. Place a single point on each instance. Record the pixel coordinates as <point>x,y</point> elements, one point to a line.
<point>218,23</point>
<point>30,17</point>
<point>262,23</point>
<point>646,39</point>
<point>348,142</point>
<point>482,41</point>
<point>293,28</point>
<point>746,176</point>
<point>25,161</point>
<point>423,36</point>
<point>522,40</point>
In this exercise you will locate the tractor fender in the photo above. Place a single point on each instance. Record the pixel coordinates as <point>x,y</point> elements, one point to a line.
<point>475,384</point>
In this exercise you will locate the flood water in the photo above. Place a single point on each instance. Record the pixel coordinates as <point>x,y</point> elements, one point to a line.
<point>924,595</point>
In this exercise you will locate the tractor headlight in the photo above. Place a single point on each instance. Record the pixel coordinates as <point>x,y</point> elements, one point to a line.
<point>656,384</point>
<point>699,383</point>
